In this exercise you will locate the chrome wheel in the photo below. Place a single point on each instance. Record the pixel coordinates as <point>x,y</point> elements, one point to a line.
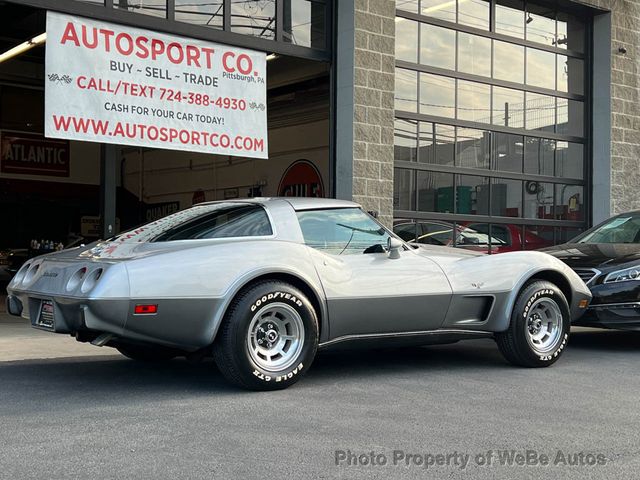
<point>544,325</point>
<point>275,337</point>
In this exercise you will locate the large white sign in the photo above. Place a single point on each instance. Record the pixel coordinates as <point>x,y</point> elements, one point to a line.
<point>116,84</point>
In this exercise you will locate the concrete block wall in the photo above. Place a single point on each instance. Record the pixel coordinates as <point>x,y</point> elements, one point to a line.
<point>625,102</point>
<point>374,63</point>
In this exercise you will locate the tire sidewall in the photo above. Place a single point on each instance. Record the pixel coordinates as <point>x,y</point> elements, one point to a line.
<point>256,299</point>
<point>529,296</point>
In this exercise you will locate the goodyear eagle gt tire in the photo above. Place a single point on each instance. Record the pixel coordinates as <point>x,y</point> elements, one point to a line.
<point>268,338</point>
<point>539,327</point>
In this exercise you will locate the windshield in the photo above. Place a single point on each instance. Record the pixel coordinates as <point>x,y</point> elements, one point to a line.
<point>217,220</point>
<point>620,229</point>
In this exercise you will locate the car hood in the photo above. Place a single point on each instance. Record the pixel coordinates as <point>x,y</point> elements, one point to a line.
<point>603,256</point>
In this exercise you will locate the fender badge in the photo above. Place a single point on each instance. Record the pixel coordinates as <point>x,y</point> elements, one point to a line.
<point>477,285</point>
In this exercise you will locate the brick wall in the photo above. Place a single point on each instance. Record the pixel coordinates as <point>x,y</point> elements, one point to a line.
<point>374,62</point>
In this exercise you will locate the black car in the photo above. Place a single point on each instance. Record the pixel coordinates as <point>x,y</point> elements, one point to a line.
<point>607,258</point>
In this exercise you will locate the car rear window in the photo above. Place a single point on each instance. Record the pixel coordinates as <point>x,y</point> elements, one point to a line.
<point>219,220</point>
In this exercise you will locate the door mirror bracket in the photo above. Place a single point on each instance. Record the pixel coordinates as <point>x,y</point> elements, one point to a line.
<point>393,247</point>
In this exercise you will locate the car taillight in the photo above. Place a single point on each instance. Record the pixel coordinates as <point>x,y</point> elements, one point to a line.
<point>145,309</point>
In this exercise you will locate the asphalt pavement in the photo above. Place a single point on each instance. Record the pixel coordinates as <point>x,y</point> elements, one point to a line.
<point>90,413</point>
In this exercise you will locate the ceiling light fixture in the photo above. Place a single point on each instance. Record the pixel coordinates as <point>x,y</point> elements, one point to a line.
<point>271,56</point>
<point>23,47</point>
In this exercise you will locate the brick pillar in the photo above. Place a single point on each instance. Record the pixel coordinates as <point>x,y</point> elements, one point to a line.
<point>366,104</point>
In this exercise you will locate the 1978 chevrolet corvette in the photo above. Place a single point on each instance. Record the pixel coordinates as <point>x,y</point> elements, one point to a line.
<point>261,284</point>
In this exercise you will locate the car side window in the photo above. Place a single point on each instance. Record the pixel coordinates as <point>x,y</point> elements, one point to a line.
<point>223,222</point>
<point>406,231</point>
<point>341,231</point>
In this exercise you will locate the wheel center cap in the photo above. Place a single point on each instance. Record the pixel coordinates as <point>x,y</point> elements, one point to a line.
<point>272,336</point>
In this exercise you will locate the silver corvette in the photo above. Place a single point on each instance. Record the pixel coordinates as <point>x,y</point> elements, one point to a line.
<point>261,284</point>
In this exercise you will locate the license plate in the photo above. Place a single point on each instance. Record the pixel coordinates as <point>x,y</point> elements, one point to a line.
<point>45,319</point>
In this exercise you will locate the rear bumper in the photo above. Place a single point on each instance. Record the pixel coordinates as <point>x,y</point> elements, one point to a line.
<point>71,315</point>
<point>187,324</point>
<point>622,316</point>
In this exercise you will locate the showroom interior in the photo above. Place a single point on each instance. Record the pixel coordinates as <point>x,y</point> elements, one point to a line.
<point>61,201</point>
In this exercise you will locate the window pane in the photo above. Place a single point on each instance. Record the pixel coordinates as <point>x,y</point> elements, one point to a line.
<point>508,152</point>
<point>405,140</point>
<point>566,234</point>
<point>508,62</point>
<point>406,90</point>
<point>156,8</point>
<point>200,12</point>
<point>407,229</point>
<point>541,68</point>
<point>445,144</point>
<point>474,54</point>
<point>570,117</point>
<point>254,18</point>
<point>570,75</point>
<point>510,18</point>
<point>407,5</point>
<point>570,160</point>
<point>472,148</point>
<point>569,202</point>
<point>437,46</point>
<point>435,192</point>
<point>537,236</point>
<point>304,23</point>
<point>474,101</point>
<point>473,238</point>
<point>406,40</point>
<point>570,32</point>
<point>541,24</point>
<point>508,107</point>
<point>540,112</point>
<point>425,143</point>
<point>539,156</point>
<point>538,200</point>
<point>468,199</point>
<point>437,95</point>
<point>474,13</point>
<point>442,9</point>
<point>435,233</point>
<point>506,197</point>
<point>404,190</point>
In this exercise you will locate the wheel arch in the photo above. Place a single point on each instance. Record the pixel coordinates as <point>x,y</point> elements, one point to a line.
<point>557,279</point>
<point>554,276</point>
<point>317,300</point>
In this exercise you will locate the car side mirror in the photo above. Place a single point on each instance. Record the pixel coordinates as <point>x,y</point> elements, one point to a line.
<point>393,247</point>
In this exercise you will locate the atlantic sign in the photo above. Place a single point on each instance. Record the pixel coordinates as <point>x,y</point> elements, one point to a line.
<point>23,153</point>
<point>117,84</point>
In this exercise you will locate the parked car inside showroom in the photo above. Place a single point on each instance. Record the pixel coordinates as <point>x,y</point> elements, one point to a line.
<point>261,284</point>
<point>475,236</point>
<point>607,258</point>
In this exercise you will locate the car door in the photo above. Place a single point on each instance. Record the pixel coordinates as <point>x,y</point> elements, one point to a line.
<point>367,291</point>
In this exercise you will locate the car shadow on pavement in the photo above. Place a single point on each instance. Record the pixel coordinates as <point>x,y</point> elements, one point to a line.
<point>464,355</point>
<point>605,340</point>
<point>101,376</point>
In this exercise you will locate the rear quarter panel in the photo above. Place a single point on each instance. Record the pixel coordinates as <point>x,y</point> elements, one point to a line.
<point>203,280</point>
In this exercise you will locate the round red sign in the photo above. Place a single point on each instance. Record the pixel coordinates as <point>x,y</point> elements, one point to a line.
<point>301,179</point>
